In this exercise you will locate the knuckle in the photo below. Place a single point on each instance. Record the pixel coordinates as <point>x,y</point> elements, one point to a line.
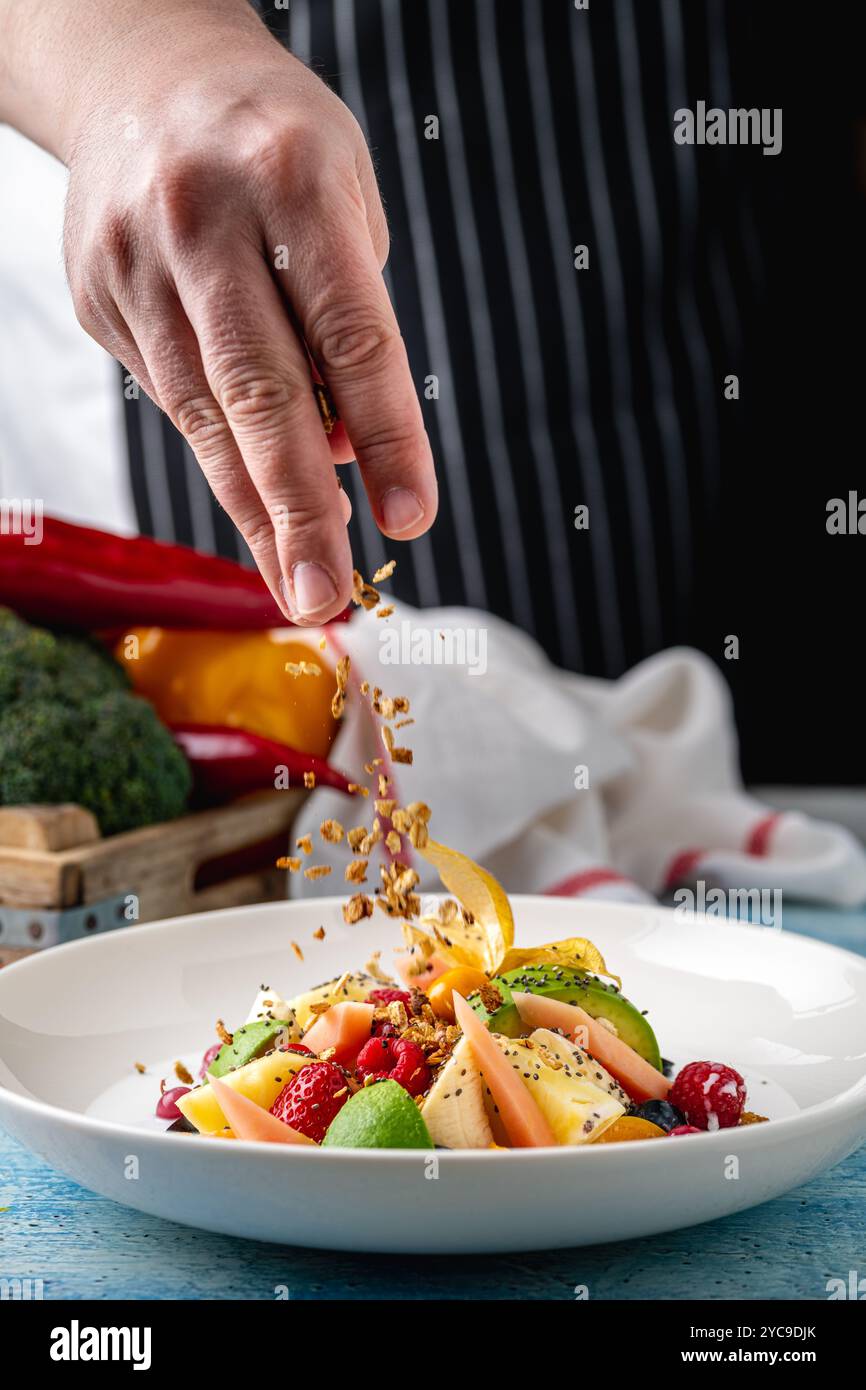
<point>258,532</point>
<point>199,419</point>
<point>398,444</point>
<point>296,524</point>
<point>88,306</point>
<point>98,316</point>
<point>254,395</point>
<point>346,337</point>
<point>300,520</point>
<point>293,156</point>
<point>114,241</point>
<point>284,524</point>
<point>178,194</point>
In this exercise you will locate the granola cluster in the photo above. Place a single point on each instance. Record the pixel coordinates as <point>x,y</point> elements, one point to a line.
<point>419,1024</point>
<point>338,703</point>
<point>397,897</point>
<point>395,894</point>
<point>364,595</point>
<point>357,908</point>
<point>303,668</point>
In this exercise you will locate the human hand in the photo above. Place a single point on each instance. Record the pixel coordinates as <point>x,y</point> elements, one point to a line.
<point>222,218</point>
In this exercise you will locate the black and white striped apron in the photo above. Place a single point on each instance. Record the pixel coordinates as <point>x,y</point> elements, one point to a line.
<point>557,387</point>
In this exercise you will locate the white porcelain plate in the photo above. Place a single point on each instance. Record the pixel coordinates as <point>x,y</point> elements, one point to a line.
<point>789,1013</point>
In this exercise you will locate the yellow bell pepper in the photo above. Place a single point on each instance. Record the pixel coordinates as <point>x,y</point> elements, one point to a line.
<point>236,679</point>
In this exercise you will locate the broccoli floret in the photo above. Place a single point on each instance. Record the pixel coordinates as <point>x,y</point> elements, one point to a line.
<point>10,623</point>
<point>40,753</point>
<point>138,774</point>
<point>110,754</point>
<point>39,665</point>
<point>71,731</point>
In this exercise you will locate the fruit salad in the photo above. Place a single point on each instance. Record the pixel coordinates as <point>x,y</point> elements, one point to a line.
<point>472,1044</point>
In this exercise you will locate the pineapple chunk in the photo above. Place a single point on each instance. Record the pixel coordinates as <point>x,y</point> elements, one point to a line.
<point>260,1080</point>
<point>355,987</point>
<point>576,1109</point>
<point>579,1061</point>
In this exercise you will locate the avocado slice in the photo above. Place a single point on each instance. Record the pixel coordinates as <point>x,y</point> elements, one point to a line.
<point>598,998</point>
<point>251,1040</point>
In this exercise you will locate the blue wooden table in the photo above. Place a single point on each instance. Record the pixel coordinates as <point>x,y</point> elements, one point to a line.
<point>83,1246</point>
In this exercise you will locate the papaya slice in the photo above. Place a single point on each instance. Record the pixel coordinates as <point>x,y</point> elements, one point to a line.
<point>345,1028</point>
<point>524,1123</point>
<point>634,1074</point>
<point>249,1121</point>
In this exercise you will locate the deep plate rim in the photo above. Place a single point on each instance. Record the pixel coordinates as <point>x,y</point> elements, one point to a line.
<point>850,1101</point>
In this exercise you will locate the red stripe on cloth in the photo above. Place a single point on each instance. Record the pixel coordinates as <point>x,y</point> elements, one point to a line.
<point>681,866</point>
<point>758,838</point>
<point>583,881</point>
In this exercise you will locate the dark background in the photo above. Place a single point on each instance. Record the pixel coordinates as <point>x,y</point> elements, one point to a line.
<point>791,591</point>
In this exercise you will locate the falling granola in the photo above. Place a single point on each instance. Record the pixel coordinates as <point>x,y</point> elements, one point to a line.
<point>316,871</point>
<point>303,668</point>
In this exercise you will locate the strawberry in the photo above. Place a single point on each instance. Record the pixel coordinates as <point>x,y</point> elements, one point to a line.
<point>312,1098</point>
<point>396,1060</point>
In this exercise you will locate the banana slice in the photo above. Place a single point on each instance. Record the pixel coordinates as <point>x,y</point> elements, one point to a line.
<point>268,1004</point>
<point>454,1110</point>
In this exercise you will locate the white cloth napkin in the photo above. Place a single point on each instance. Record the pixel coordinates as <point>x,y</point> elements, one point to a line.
<point>561,783</point>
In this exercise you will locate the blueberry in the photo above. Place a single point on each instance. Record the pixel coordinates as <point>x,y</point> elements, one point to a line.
<point>668,1067</point>
<point>182,1126</point>
<point>661,1113</point>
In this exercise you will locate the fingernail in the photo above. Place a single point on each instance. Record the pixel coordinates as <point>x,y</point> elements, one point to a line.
<point>314,588</point>
<point>400,510</point>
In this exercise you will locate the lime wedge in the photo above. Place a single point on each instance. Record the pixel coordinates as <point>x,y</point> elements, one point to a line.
<point>381,1116</point>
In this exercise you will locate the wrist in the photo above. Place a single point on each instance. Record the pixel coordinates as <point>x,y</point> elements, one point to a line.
<point>62,70</point>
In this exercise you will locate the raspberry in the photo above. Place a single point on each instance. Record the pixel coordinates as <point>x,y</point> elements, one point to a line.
<point>382,997</point>
<point>710,1095</point>
<point>684,1129</point>
<point>396,1060</point>
<point>312,1098</point>
<point>297,1047</point>
<point>382,1027</point>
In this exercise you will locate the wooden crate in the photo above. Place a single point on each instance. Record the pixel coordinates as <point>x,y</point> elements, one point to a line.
<point>60,880</point>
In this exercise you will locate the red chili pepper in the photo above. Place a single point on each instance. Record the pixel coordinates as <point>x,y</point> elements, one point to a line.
<point>229,762</point>
<point>82,578</point>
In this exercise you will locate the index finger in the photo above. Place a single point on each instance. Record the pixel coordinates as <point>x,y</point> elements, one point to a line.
<point>348,322</point>
<point>258,374</point>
